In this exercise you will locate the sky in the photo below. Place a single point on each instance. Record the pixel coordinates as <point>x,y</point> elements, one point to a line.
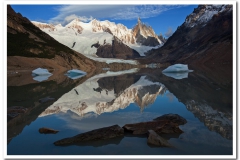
<point>163,19</point>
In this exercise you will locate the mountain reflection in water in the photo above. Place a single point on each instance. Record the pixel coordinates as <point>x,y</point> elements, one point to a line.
<point>109,94</point>
<point>106,96</point>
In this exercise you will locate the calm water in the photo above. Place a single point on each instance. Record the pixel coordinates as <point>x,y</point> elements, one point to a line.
<point>84,104</point>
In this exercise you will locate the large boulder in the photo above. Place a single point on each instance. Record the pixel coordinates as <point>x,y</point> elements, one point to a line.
<point>156,140</point>
<point>97,134</point>
<point>164,124</point>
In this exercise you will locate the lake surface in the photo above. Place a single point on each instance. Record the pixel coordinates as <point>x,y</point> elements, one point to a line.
<point>83,104</point>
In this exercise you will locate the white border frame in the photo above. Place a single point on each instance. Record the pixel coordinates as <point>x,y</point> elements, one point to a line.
<point>4,8</point>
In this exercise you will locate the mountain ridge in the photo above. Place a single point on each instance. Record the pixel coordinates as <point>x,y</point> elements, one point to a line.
<point>205,38</point>
<point>141,39</point>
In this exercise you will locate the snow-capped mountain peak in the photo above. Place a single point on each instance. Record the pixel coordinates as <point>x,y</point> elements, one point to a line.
<point>141,38</point>
<point>145,35</point>
<point>204,13</point>
<point>58,25</point>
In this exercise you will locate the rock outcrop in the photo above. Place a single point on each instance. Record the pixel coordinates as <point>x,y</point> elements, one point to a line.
<point>145,35</point>
<point>98,134</point>
<point>161,125</point>
<point>116,50</point>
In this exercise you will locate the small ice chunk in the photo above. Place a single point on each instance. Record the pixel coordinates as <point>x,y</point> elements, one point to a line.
<point>41,78</point>
<point>75,73</point>
<point>75,76</point>
<point>177,68</point>
<point>40,71</point>
<point>176,75</point>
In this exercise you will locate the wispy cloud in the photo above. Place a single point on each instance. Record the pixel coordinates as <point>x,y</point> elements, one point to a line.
<point>81,18</point>
<point>111,12</point>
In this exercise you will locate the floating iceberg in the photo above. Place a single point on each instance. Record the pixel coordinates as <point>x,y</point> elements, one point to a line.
<point>40,71</point>
<point>176,75</point>
<point>177,68</point>
<point>177,71</point>
<point>41,74</point>
<point>75,73</point>
<point>41,78</point>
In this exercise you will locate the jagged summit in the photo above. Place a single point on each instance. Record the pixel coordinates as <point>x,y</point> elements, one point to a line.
<point>139,20</point>
<point>141,38</point>
<point>145,35</point>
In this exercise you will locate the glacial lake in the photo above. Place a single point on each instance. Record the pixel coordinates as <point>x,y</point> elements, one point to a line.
<point>83,104</point>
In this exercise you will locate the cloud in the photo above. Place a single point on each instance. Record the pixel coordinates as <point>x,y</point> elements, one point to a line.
<point>169,32</point>
<point>110,12</point>
<point>74,16</point>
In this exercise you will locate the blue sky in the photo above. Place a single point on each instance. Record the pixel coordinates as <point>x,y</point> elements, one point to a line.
<point>162,18</point>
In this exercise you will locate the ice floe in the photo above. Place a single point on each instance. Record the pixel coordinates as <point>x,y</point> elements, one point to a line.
<point>41,74</point>
<point>41,78</point>
<point>41,71</point>
<point>177,71</point>
<point>179,75</point>
<point>177,68</point>
<point>75,73</point>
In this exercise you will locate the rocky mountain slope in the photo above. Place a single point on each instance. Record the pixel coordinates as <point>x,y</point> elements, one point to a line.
<point>28,47</point>
<point>145,35</point>
<point>116,49</point>
<point>86,38</point>
<point>204,38</point>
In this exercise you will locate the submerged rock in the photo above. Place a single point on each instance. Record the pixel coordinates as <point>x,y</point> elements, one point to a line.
<point>164,124</point>
<point>14,111</point>
<point>97,134</point>
<point>46,99</point>
<point>155,139</point>
<point>47,131</point>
